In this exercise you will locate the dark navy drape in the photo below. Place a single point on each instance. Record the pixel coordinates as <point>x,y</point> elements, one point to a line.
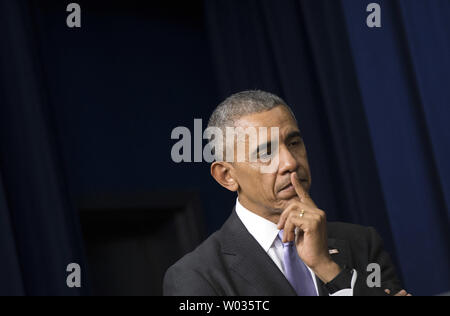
<point>372,104</point>
<point>403,71</point>
<point>39,233</point>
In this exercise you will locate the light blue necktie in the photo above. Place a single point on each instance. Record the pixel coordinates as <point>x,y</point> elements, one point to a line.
<point>297,272</point>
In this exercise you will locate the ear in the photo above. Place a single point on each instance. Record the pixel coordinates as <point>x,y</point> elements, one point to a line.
<point>222,172</point>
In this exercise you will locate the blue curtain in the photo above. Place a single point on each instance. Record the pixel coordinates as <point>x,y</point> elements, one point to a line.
<point>39,233</point>
<point>403,71</point>
<point>371,104</point>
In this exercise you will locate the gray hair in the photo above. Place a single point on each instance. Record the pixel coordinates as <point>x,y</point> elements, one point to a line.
<point>241,104</point>
<point>244,103</point>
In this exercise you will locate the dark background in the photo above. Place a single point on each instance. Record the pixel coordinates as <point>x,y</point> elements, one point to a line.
<point>87,116</point>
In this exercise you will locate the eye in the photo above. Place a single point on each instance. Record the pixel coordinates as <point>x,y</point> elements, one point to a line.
<point>265,153</point>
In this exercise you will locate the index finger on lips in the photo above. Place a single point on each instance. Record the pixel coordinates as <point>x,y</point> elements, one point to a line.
<point>298,187</point>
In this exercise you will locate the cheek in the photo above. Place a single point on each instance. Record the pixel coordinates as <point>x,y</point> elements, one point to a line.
<point>268,186</point>
<point>249,178</point>
<point>260,183</point>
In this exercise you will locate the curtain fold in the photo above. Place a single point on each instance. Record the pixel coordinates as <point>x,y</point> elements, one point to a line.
<point>39,226</point>
<point>10,274</point>
<point>403,70</point>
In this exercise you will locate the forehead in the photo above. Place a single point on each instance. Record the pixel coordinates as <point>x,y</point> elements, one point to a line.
<point>279,117</point>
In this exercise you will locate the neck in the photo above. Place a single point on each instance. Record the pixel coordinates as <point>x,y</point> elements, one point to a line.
<point>269,214</point>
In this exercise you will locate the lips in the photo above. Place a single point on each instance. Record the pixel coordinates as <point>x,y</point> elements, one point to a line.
<point>285,187</point>
<point>288,185</point>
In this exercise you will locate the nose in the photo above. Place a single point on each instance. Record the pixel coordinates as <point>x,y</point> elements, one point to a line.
<point>287,162</point>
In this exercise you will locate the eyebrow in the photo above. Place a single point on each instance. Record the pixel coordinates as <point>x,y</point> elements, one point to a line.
<point>293,134</point>
<point>289,136</point>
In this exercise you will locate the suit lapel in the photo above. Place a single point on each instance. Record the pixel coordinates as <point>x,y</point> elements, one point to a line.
<point>249,260</point>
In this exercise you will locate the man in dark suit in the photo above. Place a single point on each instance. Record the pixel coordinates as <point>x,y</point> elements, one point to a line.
<point>276,241</point>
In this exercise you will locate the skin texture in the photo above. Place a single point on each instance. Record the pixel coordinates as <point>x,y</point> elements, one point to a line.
<point>283,195</point>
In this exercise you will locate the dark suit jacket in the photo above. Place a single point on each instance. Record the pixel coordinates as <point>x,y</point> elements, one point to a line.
<point>231,262</point>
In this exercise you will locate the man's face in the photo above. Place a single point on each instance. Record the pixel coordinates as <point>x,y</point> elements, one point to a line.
<point>270,193</point>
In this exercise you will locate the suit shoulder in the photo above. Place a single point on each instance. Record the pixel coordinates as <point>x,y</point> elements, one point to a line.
<point>202,256</point>
<point>191,275</point>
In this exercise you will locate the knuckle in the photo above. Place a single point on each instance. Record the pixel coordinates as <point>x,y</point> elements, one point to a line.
<point>287,225</point>
<point>321,214</point>
<point>316,225</point>
<point>294,206</point>
<point>317,218</point>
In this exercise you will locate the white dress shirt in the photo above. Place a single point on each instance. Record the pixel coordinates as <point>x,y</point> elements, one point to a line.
<point>265,232</point>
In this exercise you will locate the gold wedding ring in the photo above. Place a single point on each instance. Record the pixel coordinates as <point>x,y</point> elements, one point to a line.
<point>302,212</point>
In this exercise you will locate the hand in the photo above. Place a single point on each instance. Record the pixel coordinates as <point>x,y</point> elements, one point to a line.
<point>311,238</point>
<point>399,293</point>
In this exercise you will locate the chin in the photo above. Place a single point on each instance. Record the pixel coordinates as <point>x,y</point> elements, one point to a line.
<point>294,198</point>
<point>282,204</point>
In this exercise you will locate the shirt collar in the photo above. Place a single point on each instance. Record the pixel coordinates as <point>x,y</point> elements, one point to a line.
<point>264,231</point>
